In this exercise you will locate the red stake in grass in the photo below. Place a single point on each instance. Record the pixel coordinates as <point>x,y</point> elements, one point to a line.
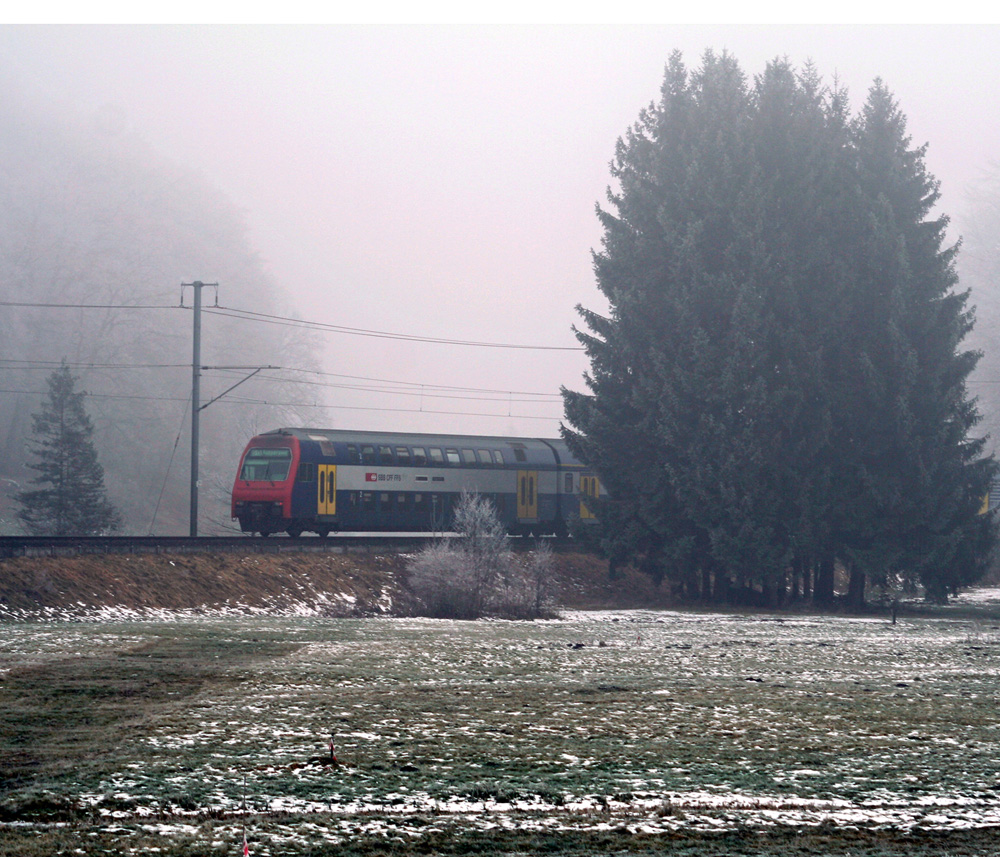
<point>246,847</point>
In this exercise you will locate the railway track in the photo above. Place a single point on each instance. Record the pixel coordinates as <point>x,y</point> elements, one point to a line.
<point>14,546</point>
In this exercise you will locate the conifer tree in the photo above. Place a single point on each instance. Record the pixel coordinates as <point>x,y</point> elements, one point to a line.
<point>912,477</point>
<point>779,384</point>
<point>70,497</point>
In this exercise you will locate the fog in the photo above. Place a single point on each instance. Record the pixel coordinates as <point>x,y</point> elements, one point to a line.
<point>440,182</point>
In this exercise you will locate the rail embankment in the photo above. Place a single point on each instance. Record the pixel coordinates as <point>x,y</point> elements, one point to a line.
<point>92,586</point>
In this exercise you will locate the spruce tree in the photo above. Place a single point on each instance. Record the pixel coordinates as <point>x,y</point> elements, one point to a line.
<point>779,383</point>
<point>913,477</point>
<point>70,497</point>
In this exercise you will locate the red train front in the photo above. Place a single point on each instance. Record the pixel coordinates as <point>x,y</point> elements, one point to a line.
<point>262,493</point>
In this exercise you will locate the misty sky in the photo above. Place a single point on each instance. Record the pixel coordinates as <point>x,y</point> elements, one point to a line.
<point>441,181</point>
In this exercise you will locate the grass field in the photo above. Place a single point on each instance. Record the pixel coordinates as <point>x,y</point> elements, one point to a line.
<point>635,732</point>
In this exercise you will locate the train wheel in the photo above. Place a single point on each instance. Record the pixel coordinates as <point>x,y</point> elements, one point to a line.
<point>322,532</point>
<point>265,533</point>
<point>295,531</point>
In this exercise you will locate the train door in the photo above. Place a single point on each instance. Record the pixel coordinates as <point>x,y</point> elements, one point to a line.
<point>326,491</point>
<point>527,493</point>
<point>589,488</point>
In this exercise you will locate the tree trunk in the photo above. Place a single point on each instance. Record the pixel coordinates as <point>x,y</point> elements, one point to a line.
<point>856,588</point>
<point>721,594</point>
<point>823,590</point>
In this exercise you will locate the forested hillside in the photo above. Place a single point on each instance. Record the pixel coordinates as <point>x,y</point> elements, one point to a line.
<point>92,218</point>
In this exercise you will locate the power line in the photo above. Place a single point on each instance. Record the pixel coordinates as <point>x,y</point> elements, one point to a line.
<point>38,305</point>
<point>394,410</point>
<point>410,388</point>
<point>414,387</point>
<point>407,388</point>
<point>288,321</point>
<point>430,393</point>
<point>29,363</point>
<point>238,400</point>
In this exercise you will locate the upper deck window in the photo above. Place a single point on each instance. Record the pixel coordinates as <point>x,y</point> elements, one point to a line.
<point>419,456</point>
<point>498,457</point>
<point>385,455</point>
<point>352,454</point>
<point>436,456</point>
<point>403,455</point>
<point>368,454</point>
<point>468,456</point>
<point>452,456</point>
<point>266,465</point>
<point>484,457</point>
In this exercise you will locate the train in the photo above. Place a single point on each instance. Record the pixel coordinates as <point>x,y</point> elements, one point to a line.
<point>303,480</point>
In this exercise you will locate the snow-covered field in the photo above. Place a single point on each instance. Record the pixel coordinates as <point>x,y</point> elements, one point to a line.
<point>630,721</point>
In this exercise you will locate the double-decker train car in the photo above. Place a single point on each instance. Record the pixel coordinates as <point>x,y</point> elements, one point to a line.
<point>296,480</point>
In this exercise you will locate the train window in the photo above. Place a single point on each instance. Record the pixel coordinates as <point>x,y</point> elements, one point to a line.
<point>383,502</point>
<point>307,472</point>
<point>519,454</point>
<point>402,455</point>
<point>385,455</point>
<point>498,457</point>
<point>419,456</point>
<point>468,456</point>
<point>368,454</point>
<point>266,465</point>
<point>367,501</point>
<point>401,501</point>
<point>436,456</point>
<point>352,454</point>
<point>485,457</point>
<point>452,456</point>
<point>569,483</point>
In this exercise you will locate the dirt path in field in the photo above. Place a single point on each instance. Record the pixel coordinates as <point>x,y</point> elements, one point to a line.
<point>349,584</point>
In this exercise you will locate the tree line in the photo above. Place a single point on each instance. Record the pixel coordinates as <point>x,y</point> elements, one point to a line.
<point>778,387</point>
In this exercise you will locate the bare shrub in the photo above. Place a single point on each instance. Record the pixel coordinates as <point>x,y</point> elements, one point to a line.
<point>477,574</point>
<point>541,578</point>
<point>439,577</point>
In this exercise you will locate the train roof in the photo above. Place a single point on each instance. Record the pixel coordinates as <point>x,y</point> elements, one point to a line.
<point>411,438</point>
<point>531,444</point>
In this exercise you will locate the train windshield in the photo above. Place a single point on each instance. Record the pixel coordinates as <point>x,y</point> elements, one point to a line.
<point>266,465</point>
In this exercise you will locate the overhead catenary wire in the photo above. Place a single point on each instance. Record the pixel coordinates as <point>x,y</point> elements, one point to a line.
<point>416,389</point>
<point>289,321</point>
<point>53,305</point>
<point>413,386</point>
<point>238,400</point>
<point>421,389</point>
